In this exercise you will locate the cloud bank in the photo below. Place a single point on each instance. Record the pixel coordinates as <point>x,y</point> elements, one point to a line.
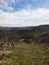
<point>18,13</point>
<point>25,17</point>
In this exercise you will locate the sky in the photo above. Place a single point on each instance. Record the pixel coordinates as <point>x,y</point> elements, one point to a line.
<point>18,13</point>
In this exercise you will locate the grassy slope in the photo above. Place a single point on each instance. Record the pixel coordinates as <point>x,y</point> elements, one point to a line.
<point>28,54</point>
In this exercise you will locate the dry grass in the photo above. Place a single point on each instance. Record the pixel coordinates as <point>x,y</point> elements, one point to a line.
<point>27,54</point>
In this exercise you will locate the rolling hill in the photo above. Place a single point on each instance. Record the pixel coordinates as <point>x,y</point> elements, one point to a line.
<point>28,34</point>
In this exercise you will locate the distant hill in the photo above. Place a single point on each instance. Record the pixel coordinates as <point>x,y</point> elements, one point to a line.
<point>36,33</point>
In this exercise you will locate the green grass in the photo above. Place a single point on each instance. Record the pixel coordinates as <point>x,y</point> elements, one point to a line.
<point>28,54</point>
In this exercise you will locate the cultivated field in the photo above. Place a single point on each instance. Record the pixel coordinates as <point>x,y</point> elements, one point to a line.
<point>25,54</point>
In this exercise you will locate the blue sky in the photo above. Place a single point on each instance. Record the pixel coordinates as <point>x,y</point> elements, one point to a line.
<point>18,13</point>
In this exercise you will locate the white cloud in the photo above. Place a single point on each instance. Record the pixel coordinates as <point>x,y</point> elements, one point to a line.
<point>6,4</point>
<point>25,17</point>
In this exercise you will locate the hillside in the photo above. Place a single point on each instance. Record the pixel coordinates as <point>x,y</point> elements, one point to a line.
<point>24,45</point>
<point>28,34</point>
